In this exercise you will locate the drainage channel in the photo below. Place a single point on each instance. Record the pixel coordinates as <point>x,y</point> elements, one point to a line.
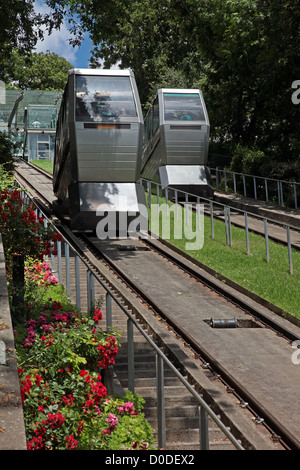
<point>232,323</point>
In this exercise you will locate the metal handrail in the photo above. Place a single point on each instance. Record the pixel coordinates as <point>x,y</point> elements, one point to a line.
<point>161,357</point>
<point>227,216</point>
<point>219,171</point>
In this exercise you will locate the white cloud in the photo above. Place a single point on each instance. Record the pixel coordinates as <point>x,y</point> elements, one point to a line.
<point>57,41</point>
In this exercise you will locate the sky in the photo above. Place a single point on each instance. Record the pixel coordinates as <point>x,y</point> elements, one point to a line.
<point>58,43</point>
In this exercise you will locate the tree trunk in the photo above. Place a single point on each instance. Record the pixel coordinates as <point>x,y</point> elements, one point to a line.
<point>18,281</point>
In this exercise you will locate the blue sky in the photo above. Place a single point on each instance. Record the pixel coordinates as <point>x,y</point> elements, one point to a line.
<point>58,43</point>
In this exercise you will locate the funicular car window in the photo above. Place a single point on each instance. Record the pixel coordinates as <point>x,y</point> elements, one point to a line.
<point>183,107</point>
<point>101,98</point>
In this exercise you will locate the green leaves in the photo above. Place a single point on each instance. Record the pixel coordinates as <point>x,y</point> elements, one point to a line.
<point>39,71</point>
<point>64,401</point>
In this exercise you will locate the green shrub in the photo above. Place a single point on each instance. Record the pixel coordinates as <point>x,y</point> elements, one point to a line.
<point>250,161</point>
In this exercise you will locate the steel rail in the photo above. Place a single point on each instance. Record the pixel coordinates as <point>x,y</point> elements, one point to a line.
<point>285,435</point>
<point>270,421</point>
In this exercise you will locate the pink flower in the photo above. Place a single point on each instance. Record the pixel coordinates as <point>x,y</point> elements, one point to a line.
<point>112,421</point>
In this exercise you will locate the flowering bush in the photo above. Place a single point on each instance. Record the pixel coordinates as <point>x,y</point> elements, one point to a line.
<point>23,231</point>
<point>24,235</point>
<point>120,425</point>
<point>72,336</point>
<point>40,285</point>
<point>40,273</point>
<point>66,407</point>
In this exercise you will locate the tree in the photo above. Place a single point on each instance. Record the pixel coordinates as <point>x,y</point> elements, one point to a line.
<point>252,49</point>
<point>20,27</point>
<point>39,71</point>
<point>141,35</point>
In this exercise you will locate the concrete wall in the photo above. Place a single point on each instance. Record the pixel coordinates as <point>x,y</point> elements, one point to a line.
<point>12,429</point>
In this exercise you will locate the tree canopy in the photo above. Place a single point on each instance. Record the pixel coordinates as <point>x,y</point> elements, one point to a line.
<point>20,66</point>
<point>39,71</point>
<point>243,54</point>
<point>20,28</point>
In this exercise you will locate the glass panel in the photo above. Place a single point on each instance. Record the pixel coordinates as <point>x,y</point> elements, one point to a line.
<point>41,117</point>
<point>183,107</point>
<point>100,98</point>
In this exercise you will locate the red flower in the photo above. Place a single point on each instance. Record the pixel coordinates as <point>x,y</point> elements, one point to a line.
<point>38,379</point>
<point>37,443</point>
<point>82,373</point>
<point>98,315</point>
<point>72,443</point>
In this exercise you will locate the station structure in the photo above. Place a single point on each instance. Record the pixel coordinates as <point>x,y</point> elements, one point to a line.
<point>29,117</point>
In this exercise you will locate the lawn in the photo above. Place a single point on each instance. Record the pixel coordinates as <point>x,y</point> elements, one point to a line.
<point>45,165</point>
<point>271,280</point>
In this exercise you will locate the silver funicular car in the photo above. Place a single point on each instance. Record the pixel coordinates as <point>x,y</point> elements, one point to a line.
<point>98,147</point>
<point>176,140</point>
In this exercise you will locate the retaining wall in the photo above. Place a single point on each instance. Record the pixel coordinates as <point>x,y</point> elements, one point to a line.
<point>12,428</point>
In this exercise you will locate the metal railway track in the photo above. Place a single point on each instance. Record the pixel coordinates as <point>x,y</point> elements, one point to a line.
<point>227,289</point>
<point>228,379</point>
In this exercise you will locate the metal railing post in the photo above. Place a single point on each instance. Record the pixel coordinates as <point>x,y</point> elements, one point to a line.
<point>227,225</point>
<point>90,291</point>
<point>59,261</point>
<point>234,183</point>
<point>186,209</point>
<point>247,233</point>
<point>77,280</point>
<point>108,312</point>
<point>176,203</point>
<point>130,345</point>
<point>167,200</point>
<point>203,428</point>
<point>281,193</point>
<point>149,192</point>
<point>289,249</point>
<point>266,191</point>
<point>244,184</point>
<point>267,240</point>
<point>161,418</point>
<point>67,261</point>
<point>212,219</point>
<point>198,213</point>
<point>52,257</point>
